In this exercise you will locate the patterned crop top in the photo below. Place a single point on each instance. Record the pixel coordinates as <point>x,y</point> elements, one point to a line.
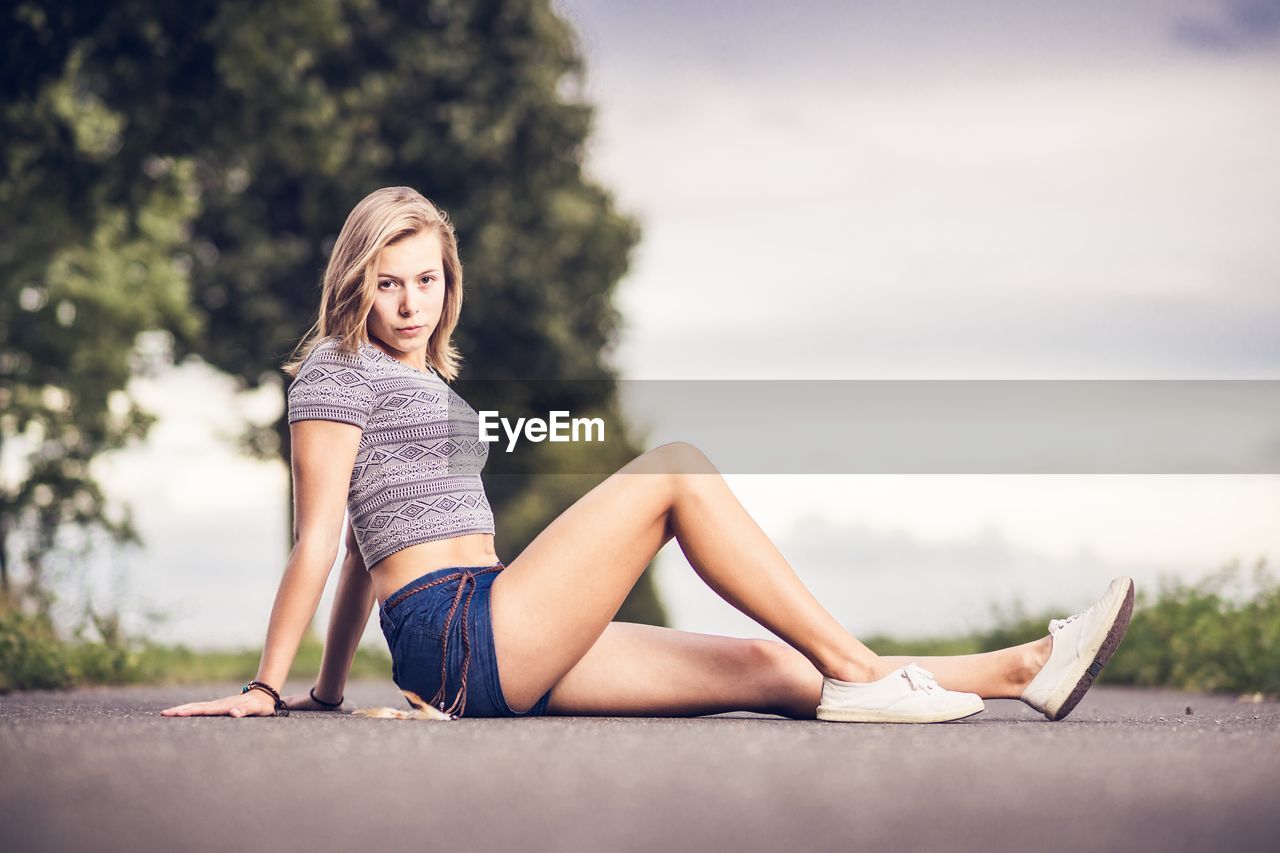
<point>417,471</point>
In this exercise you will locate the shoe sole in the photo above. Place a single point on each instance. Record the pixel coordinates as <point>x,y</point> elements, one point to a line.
<point>1107,644</point>
<point>845,715</point>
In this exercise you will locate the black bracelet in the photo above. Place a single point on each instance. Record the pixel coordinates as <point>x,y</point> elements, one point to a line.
<point>319,701</point>
<point>282,710</point>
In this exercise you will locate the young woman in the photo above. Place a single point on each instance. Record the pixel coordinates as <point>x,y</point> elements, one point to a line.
<point>377,432</point>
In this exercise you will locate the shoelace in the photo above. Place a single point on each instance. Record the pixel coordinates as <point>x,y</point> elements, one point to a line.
<point>920,678</point>
<point>1056,625</point>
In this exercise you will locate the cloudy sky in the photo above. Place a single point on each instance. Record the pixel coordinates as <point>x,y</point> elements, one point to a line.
<point>874,190</point>
<point>946,190</point>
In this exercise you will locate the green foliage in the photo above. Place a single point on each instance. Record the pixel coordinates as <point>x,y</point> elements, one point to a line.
<point>186,168</point>
<point>33,656</point>
<point>1012,626</point>
<point>1219,634</point>
<point>83,272</point>
<point>882,644</point>
<point>181,665</point>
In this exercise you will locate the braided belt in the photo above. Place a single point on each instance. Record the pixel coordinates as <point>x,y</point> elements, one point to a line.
<point>459,703</point>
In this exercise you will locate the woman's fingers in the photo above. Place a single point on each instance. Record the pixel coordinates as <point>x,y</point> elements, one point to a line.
<point>183,710</point>
<point>198,709</point>
<point>240,705</point>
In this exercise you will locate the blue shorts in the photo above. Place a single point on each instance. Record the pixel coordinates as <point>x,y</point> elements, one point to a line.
<point>442,621</point>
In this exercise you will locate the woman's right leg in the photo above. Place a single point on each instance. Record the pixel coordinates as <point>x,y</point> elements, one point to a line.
<point>551,604</point>
<point>644,670</point>
<point>554,601</point>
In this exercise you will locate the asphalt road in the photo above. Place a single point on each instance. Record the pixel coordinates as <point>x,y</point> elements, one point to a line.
<point>99,769</point>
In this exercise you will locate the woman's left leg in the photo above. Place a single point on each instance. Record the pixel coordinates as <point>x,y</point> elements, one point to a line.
<point>1001,674</point>
<point>646,670</point>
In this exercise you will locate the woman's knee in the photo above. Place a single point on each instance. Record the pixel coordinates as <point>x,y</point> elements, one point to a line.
<point>674,470</point>
<point>684,466</point>
<point>675,457</point>
<point>684,458</point>
<point>670,465</point>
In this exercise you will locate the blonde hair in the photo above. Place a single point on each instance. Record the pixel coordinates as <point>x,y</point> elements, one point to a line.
<point>382,218</point>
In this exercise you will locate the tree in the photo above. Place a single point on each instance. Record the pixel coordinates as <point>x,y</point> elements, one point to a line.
<point>282,116</point>
<point>84,270</point>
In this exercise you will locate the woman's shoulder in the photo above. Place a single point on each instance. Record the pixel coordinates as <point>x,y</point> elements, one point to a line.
<point>330,350</point>
<point>328,362</point>
<point>332,383</point>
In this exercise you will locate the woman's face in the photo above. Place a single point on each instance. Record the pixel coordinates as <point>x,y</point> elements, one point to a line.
<point>410,295</point>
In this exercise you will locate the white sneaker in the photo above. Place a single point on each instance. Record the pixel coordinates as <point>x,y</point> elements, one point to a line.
<point>909,694</point>
<point>1082,645</point>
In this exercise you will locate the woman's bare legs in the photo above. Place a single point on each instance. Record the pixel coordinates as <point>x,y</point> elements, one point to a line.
<point>553,603</point>
<point>642,670</point>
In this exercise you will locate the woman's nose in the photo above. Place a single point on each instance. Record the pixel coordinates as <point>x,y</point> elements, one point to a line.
<point>408,303</point>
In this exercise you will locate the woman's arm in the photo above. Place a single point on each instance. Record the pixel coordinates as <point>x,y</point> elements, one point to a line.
<point>323,454</point>
<point>351,608</point>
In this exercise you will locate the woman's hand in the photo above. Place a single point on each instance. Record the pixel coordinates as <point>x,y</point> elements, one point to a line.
<point>304,702</point>
<point>255,703</point>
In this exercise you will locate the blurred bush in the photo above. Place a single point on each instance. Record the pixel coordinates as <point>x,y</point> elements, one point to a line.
<point>1219,634</point>
<point>33,656</point>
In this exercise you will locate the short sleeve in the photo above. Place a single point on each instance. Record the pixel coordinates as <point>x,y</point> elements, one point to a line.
<point>331,385</point>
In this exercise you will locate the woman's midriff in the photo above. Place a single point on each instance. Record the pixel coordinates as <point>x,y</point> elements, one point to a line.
<point>408,564</point>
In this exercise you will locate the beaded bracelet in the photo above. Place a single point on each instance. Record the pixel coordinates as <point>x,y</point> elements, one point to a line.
<point>282,710</point>
<point>319,701</point>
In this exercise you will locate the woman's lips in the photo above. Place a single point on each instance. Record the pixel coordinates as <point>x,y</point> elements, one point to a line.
<point>412,330</point>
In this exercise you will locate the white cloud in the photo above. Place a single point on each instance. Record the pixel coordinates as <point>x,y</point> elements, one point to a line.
<point>993,212</point>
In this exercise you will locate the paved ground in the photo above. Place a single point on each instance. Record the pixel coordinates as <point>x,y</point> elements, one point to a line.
<point>99,769</point>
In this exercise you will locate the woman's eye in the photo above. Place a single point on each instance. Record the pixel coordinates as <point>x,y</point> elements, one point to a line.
<point>426,279</point>
<point>385,282</point>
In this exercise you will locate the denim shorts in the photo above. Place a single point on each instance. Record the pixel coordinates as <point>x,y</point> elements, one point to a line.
<point>440,633</point>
